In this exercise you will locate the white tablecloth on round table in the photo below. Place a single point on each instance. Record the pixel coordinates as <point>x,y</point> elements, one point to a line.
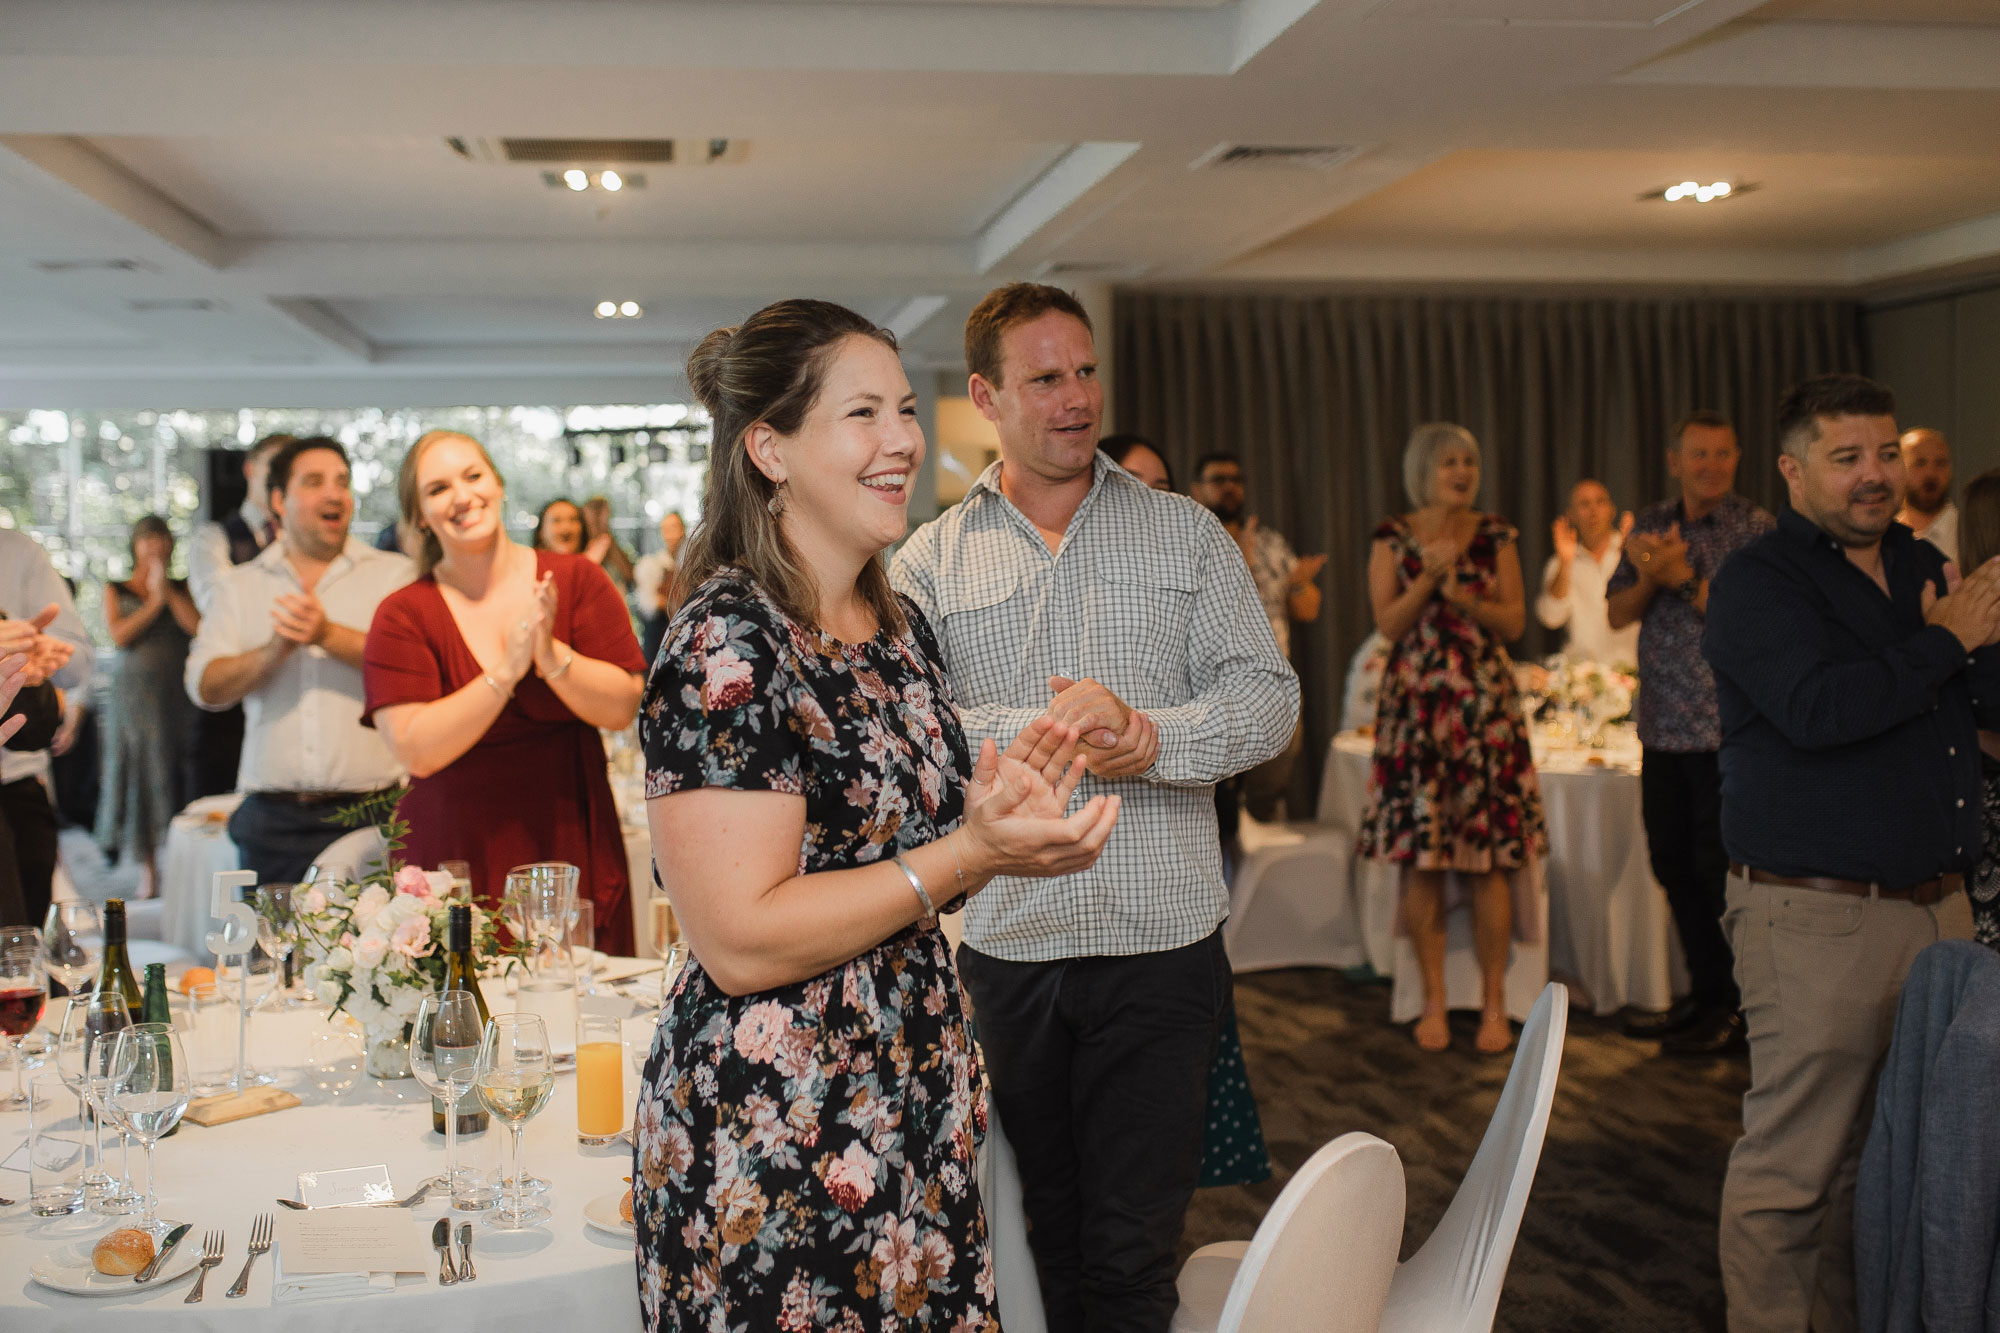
<point>561,1275</point>
<point>197,846</point>
<point>1609,931</point>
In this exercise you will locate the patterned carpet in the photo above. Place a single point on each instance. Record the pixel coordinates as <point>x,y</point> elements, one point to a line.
<point>1620,1229</point>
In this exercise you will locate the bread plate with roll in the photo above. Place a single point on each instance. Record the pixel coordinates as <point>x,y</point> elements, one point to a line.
<point>105,1264</point>
<point>612,1213</point>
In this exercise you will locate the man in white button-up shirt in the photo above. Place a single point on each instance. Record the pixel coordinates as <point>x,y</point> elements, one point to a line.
<point>284,634</point>
<point>1588,544</point>
<point>1063,584</point>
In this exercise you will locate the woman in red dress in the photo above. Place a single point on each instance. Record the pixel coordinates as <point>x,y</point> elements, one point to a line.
<point>489,677</point>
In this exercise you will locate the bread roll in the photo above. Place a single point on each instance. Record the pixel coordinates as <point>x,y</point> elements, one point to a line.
<point>625,1206</point>
<point>123,1252</point>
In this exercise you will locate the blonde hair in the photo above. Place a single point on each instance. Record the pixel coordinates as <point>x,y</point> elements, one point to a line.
<point>1420,456</point>
<point>429,549</point>
<point>768,371</point>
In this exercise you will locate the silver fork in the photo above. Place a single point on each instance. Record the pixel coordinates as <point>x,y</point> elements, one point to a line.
<point>211,1255</point>
<point>260,1241</point>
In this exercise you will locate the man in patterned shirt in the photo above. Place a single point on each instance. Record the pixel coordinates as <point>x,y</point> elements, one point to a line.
<point>1285,586</point>
<point>1062,584</point>
<point>1661,584</point>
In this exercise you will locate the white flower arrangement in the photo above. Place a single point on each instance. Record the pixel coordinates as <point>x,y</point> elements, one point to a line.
<point>1603,694</point>
<point>377,947</point>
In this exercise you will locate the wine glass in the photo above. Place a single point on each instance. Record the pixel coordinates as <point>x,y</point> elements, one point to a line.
<point>278,932</point>
<point>516,1076</point>
<point>72,942</point>
<point>85,1061</point>
<point>24,991</point>
<point>151,1098</point>
<point>444,1055</point>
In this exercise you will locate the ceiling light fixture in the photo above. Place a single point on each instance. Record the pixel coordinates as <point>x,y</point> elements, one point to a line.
<point>576,179</point>
<point>611,181</point>
<point>1696,191</point>
<point>580,180</point>
<point>629,310</point>
<point>618,310</point>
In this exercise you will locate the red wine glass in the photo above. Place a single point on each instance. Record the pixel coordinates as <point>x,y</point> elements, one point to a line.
<point>24,990</point>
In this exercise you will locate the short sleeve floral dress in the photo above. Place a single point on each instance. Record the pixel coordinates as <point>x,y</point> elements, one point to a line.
<point>805,1156</point>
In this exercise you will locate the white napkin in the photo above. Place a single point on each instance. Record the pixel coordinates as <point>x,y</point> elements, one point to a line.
<point>286,1290</point>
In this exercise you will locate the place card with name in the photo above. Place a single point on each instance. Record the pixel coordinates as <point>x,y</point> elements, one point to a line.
<point>346,1187</point>
<point>353,1240</point>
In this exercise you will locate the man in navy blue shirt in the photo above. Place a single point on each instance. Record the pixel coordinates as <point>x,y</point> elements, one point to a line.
<point>1853,668</point>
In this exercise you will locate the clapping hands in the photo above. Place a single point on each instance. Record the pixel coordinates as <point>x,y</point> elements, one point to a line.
<point>1970,607</point>
<point>1115,739</point>
<point>1661,557</point>
<point>43,654</point>
<point>13,676</point>
<point>1014,821</point>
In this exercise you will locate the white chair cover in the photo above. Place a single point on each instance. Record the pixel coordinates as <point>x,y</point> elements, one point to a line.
<point>1452,1284</point>
<point>353,855</point>
<point>1018,1289</point>
<point>1322,1259</point>
<point>1292,901</point>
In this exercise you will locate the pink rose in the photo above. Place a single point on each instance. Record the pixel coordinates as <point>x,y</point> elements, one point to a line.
<point>413,881</point>
<point>850,1177</point>
<point>412,938</point>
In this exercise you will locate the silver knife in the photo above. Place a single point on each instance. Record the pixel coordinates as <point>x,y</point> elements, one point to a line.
<point>150,1271</point>
<point>441,1242</point>
<point>465,1273</point>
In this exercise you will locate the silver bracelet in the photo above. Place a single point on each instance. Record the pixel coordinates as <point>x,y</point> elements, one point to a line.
<point>498,688</point>
<point>929,918</point>
<point>568,662</point>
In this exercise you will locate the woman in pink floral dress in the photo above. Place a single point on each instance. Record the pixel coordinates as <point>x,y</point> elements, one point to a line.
<point>806,1134</point>
<point>1454,782</point>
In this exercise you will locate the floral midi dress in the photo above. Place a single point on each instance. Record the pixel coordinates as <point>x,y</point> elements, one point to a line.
<point>805,1156</point>
<point>1454,779</point>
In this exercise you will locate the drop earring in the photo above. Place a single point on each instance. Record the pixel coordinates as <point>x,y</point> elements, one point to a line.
<point>776,504</point>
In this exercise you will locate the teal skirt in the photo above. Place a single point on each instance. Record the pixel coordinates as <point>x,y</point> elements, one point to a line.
<point>1232,1144</point>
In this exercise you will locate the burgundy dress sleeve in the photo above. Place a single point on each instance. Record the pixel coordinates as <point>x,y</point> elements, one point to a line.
<point>599,624</point>
<point>399,663</point>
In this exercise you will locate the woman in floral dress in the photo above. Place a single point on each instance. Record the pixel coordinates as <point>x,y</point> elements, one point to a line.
<point>811,1111</point>
<point>1454,782</point>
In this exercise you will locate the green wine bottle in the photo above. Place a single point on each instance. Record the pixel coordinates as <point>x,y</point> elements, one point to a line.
<point>157,1010</point>
<point>461,972</point>
<point>115,972</point>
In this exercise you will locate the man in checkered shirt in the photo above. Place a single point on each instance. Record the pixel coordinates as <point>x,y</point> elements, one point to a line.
<point>1061,584</point>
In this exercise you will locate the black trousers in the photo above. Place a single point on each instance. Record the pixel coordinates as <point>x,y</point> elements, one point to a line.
<point>214,750</point>
<point>280,839</point>
<point>1100,1076</point>
<point>27,852</point>
<point>1681,800</point>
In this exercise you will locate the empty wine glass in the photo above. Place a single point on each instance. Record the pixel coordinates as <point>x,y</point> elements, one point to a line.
<point>85,1060</point>
<point>516,1076</point>
<point>72,942</point>
<point>150,1099</point>
<point>278,935</point>
<point>444,1056</point>
<point>24,991</point>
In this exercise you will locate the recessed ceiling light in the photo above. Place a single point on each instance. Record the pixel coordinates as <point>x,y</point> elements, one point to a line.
<point>1696,191</point>
<point>618,310</point>
<point>576,179</point>
<point>607,309</point>
<point>630,310</point>
<point>611,181</point>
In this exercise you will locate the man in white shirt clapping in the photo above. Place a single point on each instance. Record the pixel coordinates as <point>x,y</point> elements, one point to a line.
<point>283,634</point>
<point>1588,543</point>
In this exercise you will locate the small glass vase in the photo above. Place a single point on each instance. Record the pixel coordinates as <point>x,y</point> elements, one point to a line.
<point>388,1057</point>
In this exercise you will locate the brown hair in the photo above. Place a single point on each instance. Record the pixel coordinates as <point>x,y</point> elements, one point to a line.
<point>1979,521</point>
<point>430,551</point>
<point>768,370</point>
<point>1000,310</point>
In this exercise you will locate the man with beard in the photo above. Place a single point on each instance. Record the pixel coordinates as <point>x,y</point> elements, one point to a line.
<point>1853,671</point>
<point>1285,587</point>
<point>1927,509</point>
<point>283,635</point>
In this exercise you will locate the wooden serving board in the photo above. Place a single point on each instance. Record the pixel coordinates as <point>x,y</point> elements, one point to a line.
<point>230,1106</point>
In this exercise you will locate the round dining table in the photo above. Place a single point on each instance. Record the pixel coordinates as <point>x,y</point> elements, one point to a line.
<point>563,1273</point>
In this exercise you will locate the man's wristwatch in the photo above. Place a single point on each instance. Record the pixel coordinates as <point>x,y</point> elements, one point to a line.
<point>1688,588</point>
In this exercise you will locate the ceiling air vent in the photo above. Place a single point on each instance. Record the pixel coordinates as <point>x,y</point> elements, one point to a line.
<point>600,152</point>
<point>1313,157</point>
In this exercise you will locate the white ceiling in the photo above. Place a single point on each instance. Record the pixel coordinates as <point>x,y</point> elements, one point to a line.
<point>283,164</point>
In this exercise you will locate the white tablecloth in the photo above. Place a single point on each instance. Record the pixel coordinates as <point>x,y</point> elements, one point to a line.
<point>197,847</point>
<point>1609,932</point>
<point>560,1275</point>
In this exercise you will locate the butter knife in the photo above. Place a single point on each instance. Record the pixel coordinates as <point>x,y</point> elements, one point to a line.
<point>441,1242</point>
<point>150,1271</point>
<point>465,1273</point>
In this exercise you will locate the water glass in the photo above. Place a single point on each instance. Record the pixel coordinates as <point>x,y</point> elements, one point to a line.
<point>516,1074</point>
<point>279,934</point>
<point>151,1098</point>
<point>546,894</point>
<point>83,1059</point>
<point>55,1158</point>
<point>666,926</point>
<point>444,1056</point>
<point>600,1077</point>
<point>583,945</point>
<point>461,879</point>
<point>207,1019</point>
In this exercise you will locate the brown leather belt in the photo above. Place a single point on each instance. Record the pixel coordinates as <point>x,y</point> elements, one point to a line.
<point>1923,895</point>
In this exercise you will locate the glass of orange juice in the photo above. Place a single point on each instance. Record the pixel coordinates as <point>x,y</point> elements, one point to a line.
<point>600,1077</point>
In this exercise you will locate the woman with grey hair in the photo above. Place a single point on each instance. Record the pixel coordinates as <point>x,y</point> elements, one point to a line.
<point>1454,784</point>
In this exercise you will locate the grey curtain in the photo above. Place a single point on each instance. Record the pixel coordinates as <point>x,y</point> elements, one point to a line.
<point>1317,395</point>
